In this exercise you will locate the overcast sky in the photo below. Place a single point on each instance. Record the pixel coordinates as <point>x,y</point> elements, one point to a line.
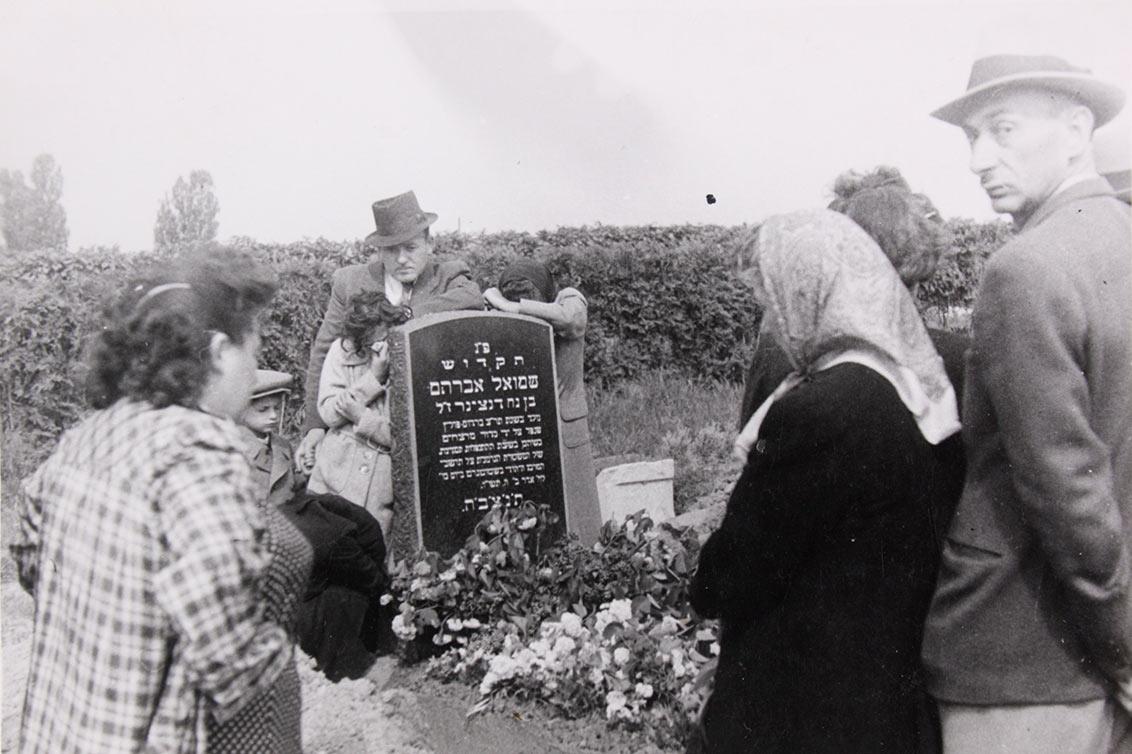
<point>508,114</point>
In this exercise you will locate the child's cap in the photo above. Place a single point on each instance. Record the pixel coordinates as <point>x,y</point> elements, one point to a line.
<point>269,382</point>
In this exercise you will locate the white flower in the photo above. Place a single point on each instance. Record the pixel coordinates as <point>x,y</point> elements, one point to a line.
<point>454,624</point>
<point>524,659</point>
<point>403,632</point>
<point>386,599</point>
<point>596,676</point>
<point>678,668</point>
<point>571,624</point>
<point>449,575</point>
<point>564,645</point>
<point>643,690</point>
<point>472,624</point>
<point>715,648</point>
<point>620,610</point>
<point>488,682</point>
<point>528,523</point>
<point>614,703</point>
<point>621,655</point>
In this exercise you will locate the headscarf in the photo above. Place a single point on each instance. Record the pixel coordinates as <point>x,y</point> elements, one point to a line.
<point>533,271</point>
<point>830,296</point>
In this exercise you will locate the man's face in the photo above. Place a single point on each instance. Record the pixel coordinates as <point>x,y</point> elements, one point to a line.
<point>406,261</point>
<point>262,415</point>
<point>1021,147</point>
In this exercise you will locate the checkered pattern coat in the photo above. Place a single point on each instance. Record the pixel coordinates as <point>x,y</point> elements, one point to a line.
<point>142,544</point>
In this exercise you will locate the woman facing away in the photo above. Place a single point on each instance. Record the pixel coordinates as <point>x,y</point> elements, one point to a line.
<point>353,459</point>
<point>910,232</point>
<point>823,567</point>
<point>164,583</point>
<point>527,287</point>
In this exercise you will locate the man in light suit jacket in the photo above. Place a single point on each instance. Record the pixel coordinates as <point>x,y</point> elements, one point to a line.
<point>1028,644</point>
<point>404,269</point>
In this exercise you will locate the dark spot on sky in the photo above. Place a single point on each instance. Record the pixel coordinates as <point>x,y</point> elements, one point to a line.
<point>711,198</point>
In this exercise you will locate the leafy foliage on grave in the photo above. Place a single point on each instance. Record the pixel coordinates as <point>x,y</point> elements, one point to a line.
<point>606,630</point>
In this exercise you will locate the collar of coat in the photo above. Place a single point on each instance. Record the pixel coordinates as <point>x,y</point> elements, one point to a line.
<point>1089,189</point>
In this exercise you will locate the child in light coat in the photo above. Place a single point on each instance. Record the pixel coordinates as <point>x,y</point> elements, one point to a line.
<point>353,459</point>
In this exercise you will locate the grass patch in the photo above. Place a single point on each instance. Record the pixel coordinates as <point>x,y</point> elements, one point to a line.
<point>662,415</point>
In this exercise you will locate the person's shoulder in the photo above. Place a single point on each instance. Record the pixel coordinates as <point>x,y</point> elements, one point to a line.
<point>450,268</point>
<point>1073,232</point>
<point>351,274</point>
<point>839,399</point>
<point>570,293</point>
<point>191,428</point>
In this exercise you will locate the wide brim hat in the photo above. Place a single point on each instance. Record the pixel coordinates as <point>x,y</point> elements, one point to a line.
<point>994,75</point>
<point>269,382</point>
<point>398,219</point>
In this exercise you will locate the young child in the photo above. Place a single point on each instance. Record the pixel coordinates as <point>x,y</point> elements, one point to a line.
<point>269,454</point>
<point>337,617</point>
<point>353,459</point>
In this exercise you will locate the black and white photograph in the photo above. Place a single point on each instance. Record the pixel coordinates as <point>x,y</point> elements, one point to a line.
<point>509,376</point>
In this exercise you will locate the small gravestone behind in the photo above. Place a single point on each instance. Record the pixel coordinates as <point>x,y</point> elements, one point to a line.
<point>623,489</point>
<point>474,413</point>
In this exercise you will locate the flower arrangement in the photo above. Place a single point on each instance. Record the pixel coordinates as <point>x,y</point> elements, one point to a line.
<point>604,630</point>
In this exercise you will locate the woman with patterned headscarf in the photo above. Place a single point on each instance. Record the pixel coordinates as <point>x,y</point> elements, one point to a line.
<point>823,567</point>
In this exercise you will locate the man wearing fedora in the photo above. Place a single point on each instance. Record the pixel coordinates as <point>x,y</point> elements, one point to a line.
<point>404,269</point>
<point>1028,642</point>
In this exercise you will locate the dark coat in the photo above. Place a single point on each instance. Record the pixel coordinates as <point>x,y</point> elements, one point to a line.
<point>822,571</point>
<point>1035,596</point>
<point>338,619</point>
<point>769,366</point>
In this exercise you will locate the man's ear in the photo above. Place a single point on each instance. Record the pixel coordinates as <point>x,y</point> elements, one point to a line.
<point>218,344</point>
<point>1080,122</point>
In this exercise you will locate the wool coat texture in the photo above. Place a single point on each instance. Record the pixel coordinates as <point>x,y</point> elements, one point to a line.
<point>1034,604</point>
<point>822,571</point>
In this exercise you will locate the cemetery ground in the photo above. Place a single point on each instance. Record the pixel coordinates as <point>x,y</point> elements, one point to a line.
<point>397,707</point>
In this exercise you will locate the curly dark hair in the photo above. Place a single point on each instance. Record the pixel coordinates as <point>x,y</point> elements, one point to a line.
<point>154,343</point>
<point>904,224</point>
<point>367,310</point>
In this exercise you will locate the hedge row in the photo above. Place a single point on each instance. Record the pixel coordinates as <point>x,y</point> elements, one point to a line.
<point>659,297</point>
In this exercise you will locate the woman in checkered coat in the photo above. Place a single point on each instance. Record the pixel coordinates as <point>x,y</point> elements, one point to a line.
<point>164,583</point>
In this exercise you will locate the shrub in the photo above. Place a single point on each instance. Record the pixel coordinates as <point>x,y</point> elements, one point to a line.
<point>660,297</point>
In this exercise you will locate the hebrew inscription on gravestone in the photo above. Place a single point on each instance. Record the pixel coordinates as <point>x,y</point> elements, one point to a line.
<point>474,410</point>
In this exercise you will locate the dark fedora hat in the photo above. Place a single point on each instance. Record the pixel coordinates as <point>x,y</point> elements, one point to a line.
<point>990,76</point>
<point>398,219</point>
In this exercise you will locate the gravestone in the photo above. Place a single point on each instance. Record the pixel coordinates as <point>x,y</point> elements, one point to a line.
<point>474,414</point>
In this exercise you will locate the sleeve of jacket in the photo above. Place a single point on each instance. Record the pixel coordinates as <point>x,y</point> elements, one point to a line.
<point>1030,331</point>
<point>567,314</point>
<point>210,586</point>
<point>455,290</point>
<point>337,405</point>
<point>330,329</point>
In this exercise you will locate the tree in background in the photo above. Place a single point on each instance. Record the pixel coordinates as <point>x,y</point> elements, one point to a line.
<point>32,217</point>
<point>188,214</point>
